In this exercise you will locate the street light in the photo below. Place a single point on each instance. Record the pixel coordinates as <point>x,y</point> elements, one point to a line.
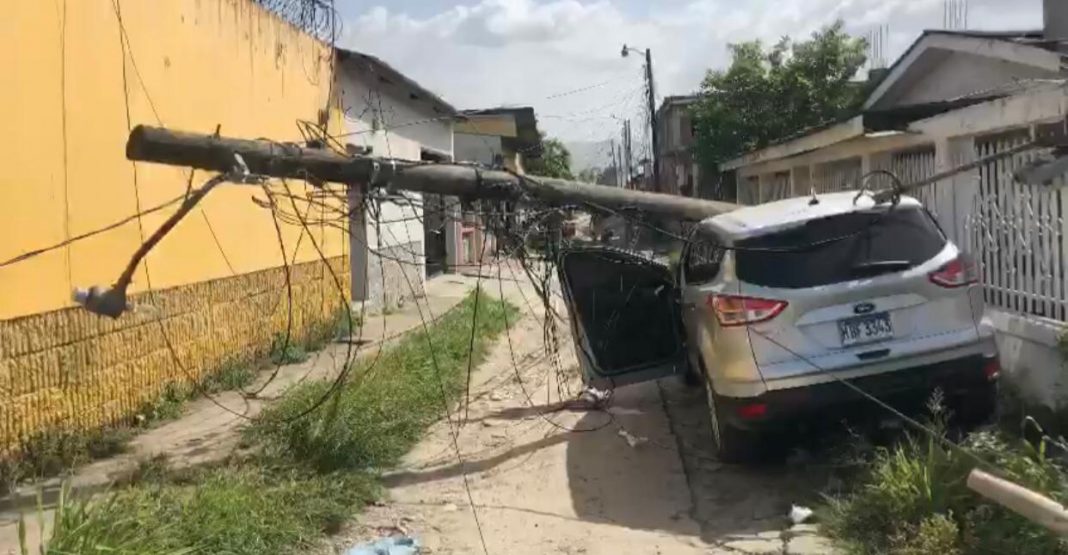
<point>652,109</point>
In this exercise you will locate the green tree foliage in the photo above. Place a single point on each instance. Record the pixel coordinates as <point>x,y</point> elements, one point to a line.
<point>768,94</point>
<point>555,160</point>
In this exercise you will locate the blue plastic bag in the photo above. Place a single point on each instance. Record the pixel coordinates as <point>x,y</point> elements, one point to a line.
<point>400,545</point>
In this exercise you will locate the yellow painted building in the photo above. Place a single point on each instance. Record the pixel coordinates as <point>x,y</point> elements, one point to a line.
<point>77,75</point>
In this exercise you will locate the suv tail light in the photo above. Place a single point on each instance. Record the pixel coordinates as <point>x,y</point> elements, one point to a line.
<point>732,310</point>
<point>956,273</point>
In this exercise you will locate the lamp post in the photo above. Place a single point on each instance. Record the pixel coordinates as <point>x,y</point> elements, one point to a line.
<point>655,135</point>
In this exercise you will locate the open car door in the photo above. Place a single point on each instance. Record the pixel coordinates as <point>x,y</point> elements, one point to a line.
<point>624,316</point>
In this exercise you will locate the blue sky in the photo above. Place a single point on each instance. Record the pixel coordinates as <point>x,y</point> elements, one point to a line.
<point>484,53</point>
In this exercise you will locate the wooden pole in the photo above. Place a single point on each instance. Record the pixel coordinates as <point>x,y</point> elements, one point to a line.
<point>1029,504</point>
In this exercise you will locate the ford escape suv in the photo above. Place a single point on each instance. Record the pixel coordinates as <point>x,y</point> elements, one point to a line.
<point>774,306</point>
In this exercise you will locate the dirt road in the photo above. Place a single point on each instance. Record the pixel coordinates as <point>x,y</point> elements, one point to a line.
<point>540,476</point>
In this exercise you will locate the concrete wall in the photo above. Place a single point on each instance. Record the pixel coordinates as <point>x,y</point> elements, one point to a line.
<point>388,239</point>
<point>188,65</point>
<point>75,79</point>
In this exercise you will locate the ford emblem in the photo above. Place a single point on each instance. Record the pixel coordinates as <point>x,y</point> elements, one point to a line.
<point>863,308</point>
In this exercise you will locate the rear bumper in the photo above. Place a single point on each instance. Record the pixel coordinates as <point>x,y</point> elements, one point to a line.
<point>907,390</point>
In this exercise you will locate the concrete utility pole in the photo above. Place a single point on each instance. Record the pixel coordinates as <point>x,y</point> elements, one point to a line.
<point>654,133</point>
<point>615,165</point>
<point>626,158</point>
<point>317,166</point>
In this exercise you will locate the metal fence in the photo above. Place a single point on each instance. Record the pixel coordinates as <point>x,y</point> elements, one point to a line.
<point>1017,233</point>
<point>840,175</point>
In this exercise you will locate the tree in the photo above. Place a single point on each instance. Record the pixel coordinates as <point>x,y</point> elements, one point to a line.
<point>770,94</point>
<point>590,175</point>
<point>555,160</point>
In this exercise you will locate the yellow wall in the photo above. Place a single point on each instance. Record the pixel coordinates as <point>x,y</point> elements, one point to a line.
<point>189,64</point>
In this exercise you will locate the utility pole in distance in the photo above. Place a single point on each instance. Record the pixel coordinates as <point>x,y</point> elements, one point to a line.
<point>650,88</point>
<point>615,165</point>
<point>627,161</point>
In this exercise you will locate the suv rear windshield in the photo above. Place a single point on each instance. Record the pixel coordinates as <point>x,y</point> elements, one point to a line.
<point>875,242</point>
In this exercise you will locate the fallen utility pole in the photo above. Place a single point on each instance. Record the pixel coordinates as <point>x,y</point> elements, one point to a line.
<point>1029,504</point>
<point>272,159</point>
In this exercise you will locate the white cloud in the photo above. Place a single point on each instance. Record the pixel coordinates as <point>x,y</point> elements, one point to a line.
<point>482,53</point>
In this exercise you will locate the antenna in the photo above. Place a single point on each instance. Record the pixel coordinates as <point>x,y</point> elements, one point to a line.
<point>955,14</point>
<point>877,39</point>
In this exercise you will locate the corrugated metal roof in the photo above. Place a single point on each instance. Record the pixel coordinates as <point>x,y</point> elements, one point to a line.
<point>387,72</point>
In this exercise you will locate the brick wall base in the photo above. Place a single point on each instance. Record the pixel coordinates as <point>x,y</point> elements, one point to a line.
<point>70,369</point>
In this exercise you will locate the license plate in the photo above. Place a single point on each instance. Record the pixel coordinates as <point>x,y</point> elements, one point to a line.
<point>865,329</point>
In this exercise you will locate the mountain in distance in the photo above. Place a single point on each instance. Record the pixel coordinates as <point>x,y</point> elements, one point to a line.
<point>589,154</point>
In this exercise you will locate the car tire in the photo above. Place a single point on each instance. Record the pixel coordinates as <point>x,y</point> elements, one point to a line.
<point>732,445</point>
<point>694,375</point>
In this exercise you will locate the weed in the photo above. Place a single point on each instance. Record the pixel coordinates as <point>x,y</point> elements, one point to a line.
<point>234,374</point>
<point>346,324</point>
<point>168,405</point>
<point>152,470</point>
<point>287,352</point>
<point>311,474</point>
<point>914,499</point>
<point>236,509</point>
<point>378,415</point>
<point>97,528</point>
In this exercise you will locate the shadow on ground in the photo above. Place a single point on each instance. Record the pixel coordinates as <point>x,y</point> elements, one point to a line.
<point>633,487</point>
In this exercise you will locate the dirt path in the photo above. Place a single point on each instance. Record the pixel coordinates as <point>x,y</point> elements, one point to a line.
<point>551,477</point>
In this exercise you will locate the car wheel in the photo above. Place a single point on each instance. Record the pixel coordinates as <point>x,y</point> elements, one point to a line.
<point>694,375</point>
<point>732,444</point>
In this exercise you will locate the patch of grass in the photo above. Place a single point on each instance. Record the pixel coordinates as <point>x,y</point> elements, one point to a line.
<point>310,475</point>
<point>232,376</point>
<point>287,352</point>
<point>101,527</point>
<point>383,410</point>
<point>52,452</point>
<point>913,498</point>
<point>237,509</point>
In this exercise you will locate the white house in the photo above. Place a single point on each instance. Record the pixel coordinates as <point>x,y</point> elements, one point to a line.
<point>955,97</point>
<point>395,241</point>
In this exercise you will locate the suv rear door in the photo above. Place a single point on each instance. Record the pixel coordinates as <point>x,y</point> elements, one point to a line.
<point>860,292</point>
<point>624,316</point>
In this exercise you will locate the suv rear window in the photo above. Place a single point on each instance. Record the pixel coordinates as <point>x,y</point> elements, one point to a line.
<point>875,242</point>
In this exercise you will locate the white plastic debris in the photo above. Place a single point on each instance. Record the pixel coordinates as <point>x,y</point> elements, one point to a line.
<point>799,514</point>
<point>594,397</point>
<point>632,440</point>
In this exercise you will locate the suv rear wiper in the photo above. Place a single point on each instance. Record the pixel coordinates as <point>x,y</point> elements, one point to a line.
<point>880,267</point>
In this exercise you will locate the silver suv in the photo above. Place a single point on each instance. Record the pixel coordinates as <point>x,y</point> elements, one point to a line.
<point>774,306</point>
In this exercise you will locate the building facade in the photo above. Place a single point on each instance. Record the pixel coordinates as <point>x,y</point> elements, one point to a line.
<point>395,241</point>
<point>955,97</point>
<point>679,171</point>
<point>502,138</point>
